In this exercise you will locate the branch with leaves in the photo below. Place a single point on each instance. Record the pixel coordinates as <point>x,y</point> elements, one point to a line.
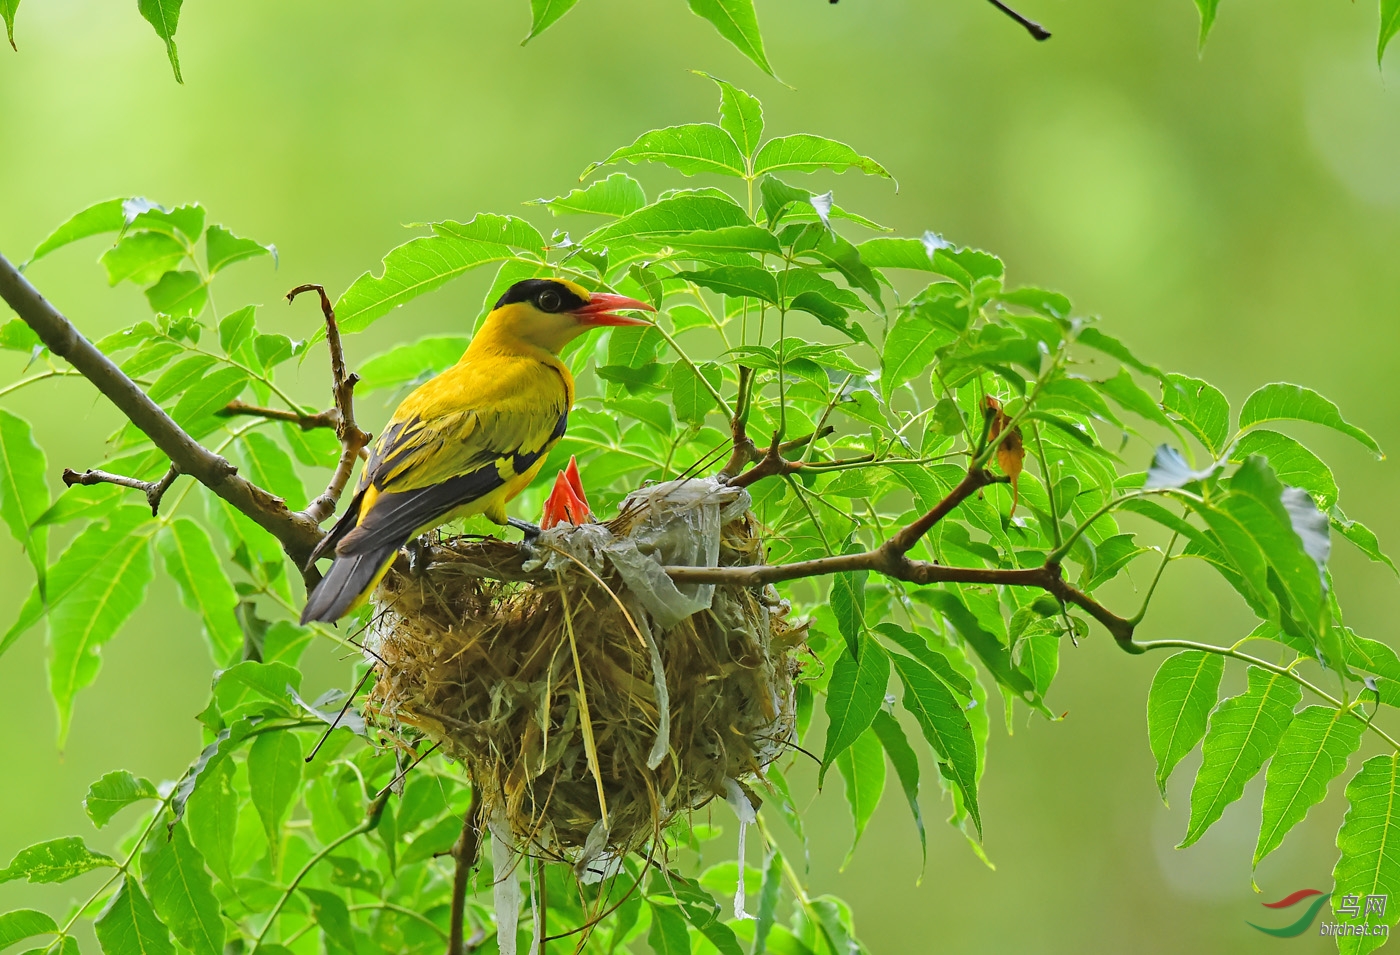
<point>955,469</point>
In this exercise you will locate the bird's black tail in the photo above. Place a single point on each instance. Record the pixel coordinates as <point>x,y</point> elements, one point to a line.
<point>347,583</point>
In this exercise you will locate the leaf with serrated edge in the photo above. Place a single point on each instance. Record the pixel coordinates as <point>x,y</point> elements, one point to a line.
<point>25,923</point>
<point>736,22</point>
<point>1281,401</point>
<point>24,490</point>
<point>57,860</point>
<point>164,16</point>
<point>1182,695</point>
<point>740,114</point>
<point>945,727</point>
<point>204,587</point>
<point>689,149</point>
<point>853,697</point>
<point>114,792</point>
<point>1312,753</point>
<point>274,779</point>
<point>1368,838</point>
<point>906,768</point>
<point>129,926</point>
<point>1244,732</point>
<point>862,768</point>
<point>803,152</point>
<point>414,268</point>
<point>180,890</point>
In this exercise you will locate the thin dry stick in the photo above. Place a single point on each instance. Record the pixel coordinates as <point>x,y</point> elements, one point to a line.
<point>590,748</point>
<point>464,854</point>
<point>352,439</point>
<point>307,422</point>
<point>154,490</point>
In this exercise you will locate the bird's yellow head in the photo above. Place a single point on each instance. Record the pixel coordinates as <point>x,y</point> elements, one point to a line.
<point>548,313</point>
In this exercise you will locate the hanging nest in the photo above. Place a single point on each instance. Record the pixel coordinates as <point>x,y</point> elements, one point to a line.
<point>589,697</point>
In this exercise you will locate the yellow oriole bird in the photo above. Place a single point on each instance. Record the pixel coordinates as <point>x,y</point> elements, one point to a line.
<point>466,441</point>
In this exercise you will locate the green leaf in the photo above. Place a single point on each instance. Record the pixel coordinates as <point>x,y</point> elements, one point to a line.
<point>105,216</point>
<point>853,697</point>
<point>1183,694</point>
<point>1131,397</point>
<point>251,680</point>
<point>1390,23</point>
<point>222,248</point>
<point>24,491</point>
<point>634,346</point>
<point>164,16</point>
<point>129,926</point>
<point>768,896</point>
<point>1367,839</point>
<point>847,600</point>
<point>333,917</point>
<point>1200,407</point>
<point>274,779</point>
<point>211,812</point>
<point>1359,534</point>
<point>692,400</point>
<point>115,565</point>
<point>177,294</point>
<point>181,891</point>
<point>989,648</point>
<point>862,767</point>
<point>910,347</point>
<point>1244,731</point>
<point>616,196</point>
<point>687,212</point>
<point>543,14</point>
<point>114,792</point>
<point>236,329</point>
<point>142,257</point>
<point>204,587</point>
<point>15,335</point>
<point>1102,341</point>
<point>740,114</point>
<point>1284,402</point>
<point>272,350</point>
<point>1294,464</point>
<point>180,376</point>
<point>418,266</point>
<point>906,768</point>
<point>316,447</point>
<point>489,227</point>
<point>407,364</point>
<point>739,238</point>
<point>945,727</point>
<point>803,152</point>
<point>689,149</point>
<point>186,220</point>
<point>197,407</point>
<point>24,923</point>
<point>268,466</point>
<point>1312,752</point>
<point>737,281</point>
<point>918,648</point>
<point>829,314</point>
<point>1207,11</point>
<point>668,934</point>
<point>737,22</point>
<point>57,860</point>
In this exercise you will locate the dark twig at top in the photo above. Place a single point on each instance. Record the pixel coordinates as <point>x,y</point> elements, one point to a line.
<point>307,422</point>
<point>154,490</point>
<point>352,439</point>
<point>1033,28</point>
<point>296,532</point>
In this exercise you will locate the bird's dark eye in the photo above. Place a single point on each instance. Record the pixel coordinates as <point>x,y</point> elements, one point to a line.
<point>548,300</point>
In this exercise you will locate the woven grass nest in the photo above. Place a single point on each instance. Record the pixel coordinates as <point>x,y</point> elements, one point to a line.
<point>572,674</point>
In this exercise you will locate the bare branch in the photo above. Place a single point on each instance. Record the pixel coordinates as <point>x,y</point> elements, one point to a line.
<point>1034,29</point>
<point>307,422</point>
<point>770,464</point>
<point>154,490</point>
<point>464,853</point>
<point>297,533</point>
<point>352,439</point>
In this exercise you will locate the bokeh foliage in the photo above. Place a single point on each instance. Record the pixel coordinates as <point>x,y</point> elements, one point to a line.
<point>892,361</point>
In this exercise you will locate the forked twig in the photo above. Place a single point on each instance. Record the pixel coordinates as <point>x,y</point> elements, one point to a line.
<point>352,439</point>
<point>154,490</point>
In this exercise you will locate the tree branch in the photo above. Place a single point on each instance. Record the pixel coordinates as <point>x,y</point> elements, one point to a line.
<point>1034,29</point>
<point>154,490</point>
<point>307,422</point>
<point>297,533</point>
<point>464,853</point>
<point>352,439</point>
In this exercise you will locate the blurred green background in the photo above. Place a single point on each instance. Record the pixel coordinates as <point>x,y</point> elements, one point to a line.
<point>1233,217</point>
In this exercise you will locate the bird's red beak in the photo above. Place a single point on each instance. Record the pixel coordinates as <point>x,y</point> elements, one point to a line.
<point>567,503</point>
<point>602,306</point>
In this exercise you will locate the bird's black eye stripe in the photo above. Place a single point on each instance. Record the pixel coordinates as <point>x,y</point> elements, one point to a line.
<point>548,295</point>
